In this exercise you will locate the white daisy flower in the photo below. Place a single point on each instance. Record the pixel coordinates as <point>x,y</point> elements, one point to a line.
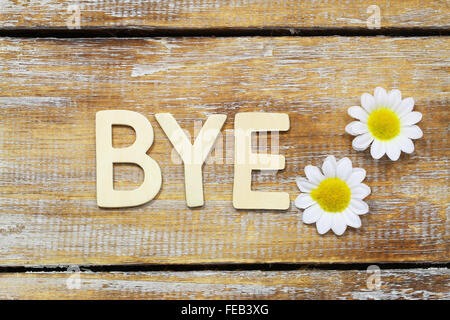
<point>333,196</point>
<point>385,121</point>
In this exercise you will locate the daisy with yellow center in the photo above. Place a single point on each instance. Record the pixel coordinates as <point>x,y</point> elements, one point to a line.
<point>386,122</point>
<point>332,197</point>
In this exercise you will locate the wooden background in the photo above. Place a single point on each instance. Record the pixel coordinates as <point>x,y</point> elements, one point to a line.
<point>51,88</point>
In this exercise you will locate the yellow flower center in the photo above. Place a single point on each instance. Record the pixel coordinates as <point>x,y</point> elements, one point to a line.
<point>384,124</point>
<point>332,195</point>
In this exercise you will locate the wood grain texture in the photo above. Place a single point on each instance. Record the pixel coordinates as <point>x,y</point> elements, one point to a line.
<point>224,13</point>
<point>51,89</point>
<point>230,285</point>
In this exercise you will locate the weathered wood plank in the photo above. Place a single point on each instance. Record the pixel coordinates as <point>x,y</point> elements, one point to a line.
<point>313,284</point>
<point>51,89</point>
<point>223,13</point>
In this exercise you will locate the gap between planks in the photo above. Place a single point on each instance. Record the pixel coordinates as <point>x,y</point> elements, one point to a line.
<point>225,267</point>
<point>127,32</point>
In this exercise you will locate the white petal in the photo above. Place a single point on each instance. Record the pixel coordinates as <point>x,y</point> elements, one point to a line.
<point>313,174</point>
<point>405,106</point>
<point>367,102</point>
<point>349,128</point>
<point>377,149</point>
<point>357,176</point>
<point>303,201</point>
<point>360,191</point>
<point>412,132</point>
<point>358,113</point>
<point>304,185</point>
<point>329,167</point>
<point>356,127</point>
<point>393,150</point>
<point>406,145</point>
<point>381,97</point>
<point>361,142</point>
<point>312,214</point>
<point>352,219</point>
<point>394,99</point>
<point>338,224</point>
<point>344,168</point>
<point>324,223</point>
<point>358,206</point>
<point>411,118</point>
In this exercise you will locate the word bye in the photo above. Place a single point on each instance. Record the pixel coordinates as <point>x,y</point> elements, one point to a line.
<point>193,157</point>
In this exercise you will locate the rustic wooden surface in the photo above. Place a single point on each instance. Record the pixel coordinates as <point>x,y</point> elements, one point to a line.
<point>312,284</point>
<point>50,90</point>
<point>224,13</point>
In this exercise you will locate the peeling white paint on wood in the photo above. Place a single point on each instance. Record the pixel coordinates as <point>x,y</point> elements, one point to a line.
<point>306,284</point>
